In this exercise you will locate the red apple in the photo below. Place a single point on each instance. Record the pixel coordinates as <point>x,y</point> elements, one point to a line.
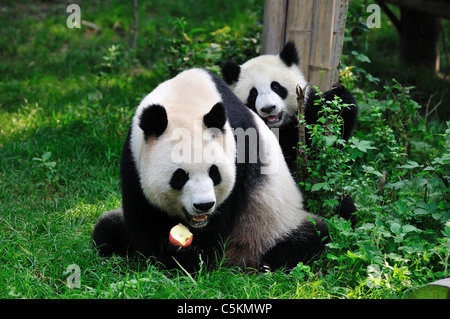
<point>180,236</point>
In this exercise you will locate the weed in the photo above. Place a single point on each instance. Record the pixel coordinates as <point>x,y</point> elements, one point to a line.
<point>49,166</point>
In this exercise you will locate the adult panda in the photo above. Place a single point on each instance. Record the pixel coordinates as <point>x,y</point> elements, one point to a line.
<point>196,155</point>
<point>267,85</point>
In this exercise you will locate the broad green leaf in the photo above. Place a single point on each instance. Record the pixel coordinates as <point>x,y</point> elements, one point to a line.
<point>363,145</point>
<point>319,186</point>
<point>409,228</point>
<point>46,156</point>
<point>371,170</point>
<point>410,164</point>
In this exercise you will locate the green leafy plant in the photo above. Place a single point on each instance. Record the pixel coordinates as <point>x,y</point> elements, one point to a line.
<point>325,177</point>
<point>111,60</point>
<point>186,48</point>
<point>48,166</point>
<point>403,203</point>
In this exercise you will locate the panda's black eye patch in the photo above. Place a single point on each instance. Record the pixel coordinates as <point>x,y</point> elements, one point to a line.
<point>278,89</point>
<point>179,178</point>
<point>275,86</point>
<point>214,174</point>
<point>251,100</point>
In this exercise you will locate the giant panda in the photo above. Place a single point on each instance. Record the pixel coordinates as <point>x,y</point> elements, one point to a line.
<point>196,155</point>
<point>267,85</point>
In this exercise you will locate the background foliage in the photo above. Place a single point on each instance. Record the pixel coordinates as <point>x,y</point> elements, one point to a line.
<point>67,98</point>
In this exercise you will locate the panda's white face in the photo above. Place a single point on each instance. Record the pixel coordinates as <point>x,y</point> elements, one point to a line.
<point>267,86</point>
<point>186,167</point>
<point>188,187</point>
<point>267,98</point>
<point>196,192</point>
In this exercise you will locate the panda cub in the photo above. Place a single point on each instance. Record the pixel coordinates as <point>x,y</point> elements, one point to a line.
<point>196,155</point>
<point>267,85</point>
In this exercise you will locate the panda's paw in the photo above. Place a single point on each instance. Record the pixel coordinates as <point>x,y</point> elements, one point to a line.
<point>190,258</point>
<point>169,249</point>
<point>264,267</point>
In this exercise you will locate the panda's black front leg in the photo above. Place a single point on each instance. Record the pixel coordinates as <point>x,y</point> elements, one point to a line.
<point>304,244</point>
<point>190,257</point>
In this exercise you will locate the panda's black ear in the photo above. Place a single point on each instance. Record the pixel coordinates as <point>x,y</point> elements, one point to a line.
<point>289,54</point>
<point>230,72</point>
<point>216,118</point>
<point>153,120</point>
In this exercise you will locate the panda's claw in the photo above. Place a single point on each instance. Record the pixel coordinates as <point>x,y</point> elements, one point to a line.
<point>264,268</point>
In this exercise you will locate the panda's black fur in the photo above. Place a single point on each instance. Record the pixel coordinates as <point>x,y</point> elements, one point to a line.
<point>142,228</point>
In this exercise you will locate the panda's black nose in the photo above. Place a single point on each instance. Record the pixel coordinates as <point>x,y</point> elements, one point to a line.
<point>268,109</point>
<point>204,206</point>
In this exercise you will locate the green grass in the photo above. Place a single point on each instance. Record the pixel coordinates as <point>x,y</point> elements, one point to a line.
<point>65,111</point>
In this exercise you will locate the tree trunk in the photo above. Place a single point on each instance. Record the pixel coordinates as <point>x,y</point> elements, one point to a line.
<point>419,38</point>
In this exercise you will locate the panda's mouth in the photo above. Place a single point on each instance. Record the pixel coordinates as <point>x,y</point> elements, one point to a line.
<point>274,120</point>
<point>198,220</point>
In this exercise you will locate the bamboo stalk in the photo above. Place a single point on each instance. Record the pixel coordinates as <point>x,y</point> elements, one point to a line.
<point>301,151</point>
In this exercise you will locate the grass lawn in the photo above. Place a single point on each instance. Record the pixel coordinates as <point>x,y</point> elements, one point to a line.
<point>66,100</point>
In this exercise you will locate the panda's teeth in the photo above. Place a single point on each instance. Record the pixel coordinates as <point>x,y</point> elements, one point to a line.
<point>199,218</point>
<point>272,118</point>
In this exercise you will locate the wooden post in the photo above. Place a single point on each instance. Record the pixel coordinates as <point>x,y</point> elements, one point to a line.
<point>338,40</point>
<point>317,28</point>
<point>274,26</point>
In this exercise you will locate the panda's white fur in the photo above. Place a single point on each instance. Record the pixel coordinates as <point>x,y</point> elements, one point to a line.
<point>256,206</point>
<point>155,162</point>
<point>274,210</point>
